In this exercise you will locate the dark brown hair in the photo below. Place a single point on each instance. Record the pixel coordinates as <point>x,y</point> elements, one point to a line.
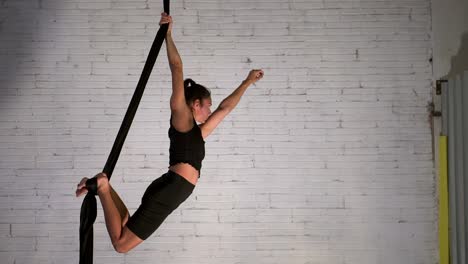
<point>194,91</point>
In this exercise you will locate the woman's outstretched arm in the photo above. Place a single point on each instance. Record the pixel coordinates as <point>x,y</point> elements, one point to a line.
<point>175,64</point>
<point>229,103</point>
<point>181,115</point>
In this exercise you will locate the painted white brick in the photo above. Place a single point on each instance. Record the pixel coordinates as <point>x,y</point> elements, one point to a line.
<point>327,160</point>
<point>17,244</point>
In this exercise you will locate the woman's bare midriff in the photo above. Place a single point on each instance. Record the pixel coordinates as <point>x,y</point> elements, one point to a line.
<point>187,171</point>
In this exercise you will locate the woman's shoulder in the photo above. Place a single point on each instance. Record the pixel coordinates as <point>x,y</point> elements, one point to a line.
<point>182,126</point>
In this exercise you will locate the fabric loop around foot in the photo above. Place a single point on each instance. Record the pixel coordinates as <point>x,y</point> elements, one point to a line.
<point>92,185</point>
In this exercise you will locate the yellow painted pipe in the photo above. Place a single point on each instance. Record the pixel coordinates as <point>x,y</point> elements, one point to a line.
<point>443,203</point>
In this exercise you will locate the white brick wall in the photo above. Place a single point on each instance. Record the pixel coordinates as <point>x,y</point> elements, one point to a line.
<point>326,160</point>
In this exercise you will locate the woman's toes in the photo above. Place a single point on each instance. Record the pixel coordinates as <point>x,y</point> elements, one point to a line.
<point>82,182</point>
<point>81,191</point>
<point>81,187</point>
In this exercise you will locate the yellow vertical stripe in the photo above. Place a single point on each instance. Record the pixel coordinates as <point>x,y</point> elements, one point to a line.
<point>443,202</point>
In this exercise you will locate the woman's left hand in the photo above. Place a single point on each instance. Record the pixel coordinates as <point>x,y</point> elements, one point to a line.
<point>255,75</point>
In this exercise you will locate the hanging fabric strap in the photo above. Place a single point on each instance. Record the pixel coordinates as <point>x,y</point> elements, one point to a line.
<point>89,207</point>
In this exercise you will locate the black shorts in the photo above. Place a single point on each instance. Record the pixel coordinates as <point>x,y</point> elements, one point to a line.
<point>162,197</point>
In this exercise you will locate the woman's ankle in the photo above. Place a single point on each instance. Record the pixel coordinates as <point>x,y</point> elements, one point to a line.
<point>98,184</point>
<point>102,183</point>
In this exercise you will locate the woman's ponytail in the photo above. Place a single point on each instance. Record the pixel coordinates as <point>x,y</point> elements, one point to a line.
<point>189,83</point>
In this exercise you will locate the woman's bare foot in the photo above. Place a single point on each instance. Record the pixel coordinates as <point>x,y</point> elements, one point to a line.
<point>102,181</point>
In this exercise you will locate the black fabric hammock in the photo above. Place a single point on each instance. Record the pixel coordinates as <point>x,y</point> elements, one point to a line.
<point>89,208</point>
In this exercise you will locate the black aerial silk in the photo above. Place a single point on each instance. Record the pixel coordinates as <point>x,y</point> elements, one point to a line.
<point>89,208</point>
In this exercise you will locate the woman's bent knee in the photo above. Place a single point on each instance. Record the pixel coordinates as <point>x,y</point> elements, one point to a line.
<point>127,242</point>
<point>121,248</point>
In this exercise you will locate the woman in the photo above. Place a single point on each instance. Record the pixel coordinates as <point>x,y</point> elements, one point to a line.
<point>190,104</point>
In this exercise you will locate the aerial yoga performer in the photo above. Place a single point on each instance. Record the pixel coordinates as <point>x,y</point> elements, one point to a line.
<point>191,123</point>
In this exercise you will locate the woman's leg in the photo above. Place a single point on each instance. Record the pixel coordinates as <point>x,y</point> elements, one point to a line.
<point>115,215</point>
<point>123,211</point>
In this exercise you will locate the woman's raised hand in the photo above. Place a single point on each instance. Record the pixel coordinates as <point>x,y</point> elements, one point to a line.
<point>166,19</point>
<point>254,76</point>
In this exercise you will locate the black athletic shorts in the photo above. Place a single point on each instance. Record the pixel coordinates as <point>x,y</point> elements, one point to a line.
<point>162,197</point>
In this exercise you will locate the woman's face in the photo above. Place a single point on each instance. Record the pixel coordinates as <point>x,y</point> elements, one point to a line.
<point>202,110</point>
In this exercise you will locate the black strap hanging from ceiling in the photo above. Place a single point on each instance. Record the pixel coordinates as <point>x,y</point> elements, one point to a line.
<point>89,207</point>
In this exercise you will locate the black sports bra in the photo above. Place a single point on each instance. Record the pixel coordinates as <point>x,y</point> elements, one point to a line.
<point>188,147</point>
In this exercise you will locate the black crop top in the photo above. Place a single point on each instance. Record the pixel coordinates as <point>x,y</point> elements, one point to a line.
<point>188,147</point>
